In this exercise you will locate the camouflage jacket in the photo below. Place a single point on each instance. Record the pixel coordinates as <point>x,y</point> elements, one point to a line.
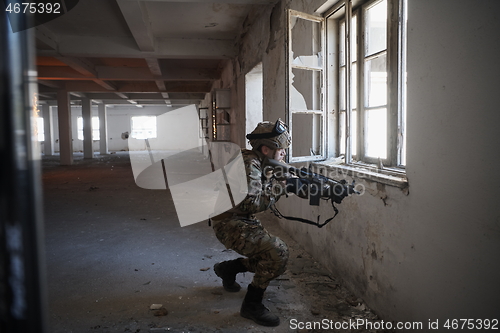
<point>263,187</point>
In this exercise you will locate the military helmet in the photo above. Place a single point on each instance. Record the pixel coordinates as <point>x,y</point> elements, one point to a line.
<point>273,135</point>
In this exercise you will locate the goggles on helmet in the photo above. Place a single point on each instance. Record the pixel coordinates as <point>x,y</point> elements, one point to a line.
<point>279,128</point>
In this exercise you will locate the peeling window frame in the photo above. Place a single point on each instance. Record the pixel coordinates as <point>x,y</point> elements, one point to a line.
<point>396,84</point>
<point>391,170</point>
<point>322,128</point>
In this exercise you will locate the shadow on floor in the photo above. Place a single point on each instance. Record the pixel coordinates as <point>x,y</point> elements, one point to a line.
<point>114,249</point>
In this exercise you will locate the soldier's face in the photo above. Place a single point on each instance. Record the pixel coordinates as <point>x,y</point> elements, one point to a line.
<point>279,154</point>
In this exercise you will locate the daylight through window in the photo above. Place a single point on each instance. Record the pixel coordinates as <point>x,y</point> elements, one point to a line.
<point>95,128</point>
<point>143,127</point>
<point>368,81</point>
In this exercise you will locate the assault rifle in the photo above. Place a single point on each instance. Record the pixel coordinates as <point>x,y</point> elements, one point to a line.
<point>318,187</point>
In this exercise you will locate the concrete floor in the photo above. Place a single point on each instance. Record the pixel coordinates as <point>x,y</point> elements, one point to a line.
<point>114,249</point>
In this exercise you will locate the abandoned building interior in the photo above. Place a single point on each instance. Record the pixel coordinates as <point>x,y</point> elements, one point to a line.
<point>399,96</point>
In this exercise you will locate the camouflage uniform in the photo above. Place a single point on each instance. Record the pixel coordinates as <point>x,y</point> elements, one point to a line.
<point>239,230</point>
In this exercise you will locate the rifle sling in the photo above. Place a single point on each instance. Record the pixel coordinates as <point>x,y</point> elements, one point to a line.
<point>292,218</point>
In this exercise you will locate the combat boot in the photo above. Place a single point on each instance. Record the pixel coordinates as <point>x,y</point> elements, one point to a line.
<point>227,271</point>
<point>252,308</point>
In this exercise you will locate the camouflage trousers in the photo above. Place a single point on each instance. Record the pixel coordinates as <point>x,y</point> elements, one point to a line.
<point>266,255</point>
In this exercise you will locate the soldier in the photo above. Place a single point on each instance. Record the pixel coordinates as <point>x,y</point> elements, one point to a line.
<point>239,230</point>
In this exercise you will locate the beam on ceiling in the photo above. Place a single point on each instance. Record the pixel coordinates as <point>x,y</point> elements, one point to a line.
<point>51,84</point>
<point>125,47</point>
<point>46,36</point>
<point>155,69</point>
<point>106,85</point>
<point>125,87</point>
<point>80,65</point>
<point>127,74</point>
<point>154,66</point>
<point>84,67</point>
<point>137,18</point>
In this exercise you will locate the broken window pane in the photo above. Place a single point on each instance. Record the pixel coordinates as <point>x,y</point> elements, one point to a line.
<point>306,129</point>
<point>305,92</point>
<point>306,43</point>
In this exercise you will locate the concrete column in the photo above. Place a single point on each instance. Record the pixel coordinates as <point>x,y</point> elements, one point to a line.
<point>65,137</point>
<point>48,130</point>
<point>88,150</point>
<point>103,129</point>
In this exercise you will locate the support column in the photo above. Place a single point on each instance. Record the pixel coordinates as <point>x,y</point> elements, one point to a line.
<point>103,129</point>
<point>65,136</point>
<point>48,130</point>
<point>88,150</point>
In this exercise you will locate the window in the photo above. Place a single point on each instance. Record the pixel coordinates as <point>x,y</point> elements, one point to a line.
<point>347,83</point>
<point>95,128</point>
<point>367,58</point>
<point>143,127</point>
<point>305,77</point>
<point>253,99</point>
<point>40,133</point>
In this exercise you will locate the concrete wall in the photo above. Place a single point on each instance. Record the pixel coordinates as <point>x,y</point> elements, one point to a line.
<point>119,121</point>
<point>430,253</point>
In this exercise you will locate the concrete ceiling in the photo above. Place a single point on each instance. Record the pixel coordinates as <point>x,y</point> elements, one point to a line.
<point>139,52</point>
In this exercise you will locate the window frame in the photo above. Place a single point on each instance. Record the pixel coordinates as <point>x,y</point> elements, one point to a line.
<point>396,90</point>
<point>289,83</point>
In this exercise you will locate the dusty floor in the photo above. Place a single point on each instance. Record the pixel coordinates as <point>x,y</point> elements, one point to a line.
<point>114,249</point>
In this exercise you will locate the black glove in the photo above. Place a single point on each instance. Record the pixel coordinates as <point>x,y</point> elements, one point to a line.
<point>298,186</point>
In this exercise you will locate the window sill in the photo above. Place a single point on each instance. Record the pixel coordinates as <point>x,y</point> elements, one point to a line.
<point>389,176</point>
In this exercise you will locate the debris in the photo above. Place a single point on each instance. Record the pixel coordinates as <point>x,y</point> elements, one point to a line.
<point>155,306</point>
<point>145,284</point>
<point>354,301</point>
<point>204,269</point>
<point>161,312</point>
<point>315,312</point>
<point>93,188</point>
<point>361,307</point>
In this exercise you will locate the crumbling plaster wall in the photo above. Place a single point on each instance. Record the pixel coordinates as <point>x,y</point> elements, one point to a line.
<point>430,253</point>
